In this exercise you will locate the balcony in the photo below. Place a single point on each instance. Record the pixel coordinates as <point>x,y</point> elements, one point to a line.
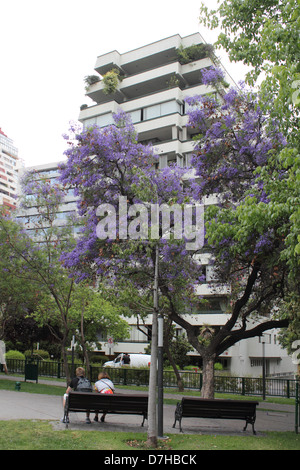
<point>133,106</point>
<point>213,289</point>
<point>146,57</point>
<point>207,319</point>
<point>151,81</point>
<point>145,83</point>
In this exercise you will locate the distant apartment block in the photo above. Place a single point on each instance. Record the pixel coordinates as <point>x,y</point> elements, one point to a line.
<point>30,216</point>
<point>9,168</point>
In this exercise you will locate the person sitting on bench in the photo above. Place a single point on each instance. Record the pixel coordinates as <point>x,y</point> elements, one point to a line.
<point>103,385</point>
<point>82,384</point>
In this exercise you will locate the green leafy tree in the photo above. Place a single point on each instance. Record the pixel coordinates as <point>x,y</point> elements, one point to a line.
<point>95,313</point>
<point>35,263</point>
<point>265,36</point>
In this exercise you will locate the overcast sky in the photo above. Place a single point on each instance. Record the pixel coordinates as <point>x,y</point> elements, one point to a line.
<point>47,48</point>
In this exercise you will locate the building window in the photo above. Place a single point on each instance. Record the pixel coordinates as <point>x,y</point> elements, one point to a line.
<point>256,362</point>
<point>162,109</point>
<point>266,338</point>
<point>136,116</point>
<point>101,121</point>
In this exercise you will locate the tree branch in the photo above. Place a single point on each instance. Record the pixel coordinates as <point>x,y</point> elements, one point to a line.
<point>256,331</point>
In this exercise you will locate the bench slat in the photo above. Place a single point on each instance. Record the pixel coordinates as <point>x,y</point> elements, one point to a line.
<point>214,408</point>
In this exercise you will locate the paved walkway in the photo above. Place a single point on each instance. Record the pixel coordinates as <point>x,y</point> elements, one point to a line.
<point>16,405</point>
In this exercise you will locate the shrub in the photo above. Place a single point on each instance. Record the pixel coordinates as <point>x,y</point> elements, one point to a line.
<point>12,354</point>
<point>90,80</point>
<point>194,52</point>
<point>38,353</point>
<point>111,81</point>
<point>98,359</point>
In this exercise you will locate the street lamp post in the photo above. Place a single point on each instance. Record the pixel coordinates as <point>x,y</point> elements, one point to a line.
<point>263,367</point>
<point>160,386</point>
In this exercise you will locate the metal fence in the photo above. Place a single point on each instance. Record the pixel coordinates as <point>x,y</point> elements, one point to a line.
<point>191,380</point>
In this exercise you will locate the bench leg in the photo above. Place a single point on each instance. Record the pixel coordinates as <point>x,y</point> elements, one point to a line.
<point>174,425</point>
<point>66,419</point>
<point>145,417</point>
<point>178,416</point>
<point>180,425</point>
<point>250,421</point>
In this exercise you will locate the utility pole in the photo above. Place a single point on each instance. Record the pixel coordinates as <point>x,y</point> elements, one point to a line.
<point>263,367</point>
<point>152,422</point>
<point>160,382</point>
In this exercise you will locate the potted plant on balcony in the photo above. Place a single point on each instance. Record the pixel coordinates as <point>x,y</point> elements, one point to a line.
<point>111,81</point>
<point>90,80</point>
<point>194,52</point>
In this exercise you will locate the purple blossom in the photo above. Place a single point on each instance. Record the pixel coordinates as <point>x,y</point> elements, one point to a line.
<point>212,75</point>
<point>102,165</point>
<point>235,141</point>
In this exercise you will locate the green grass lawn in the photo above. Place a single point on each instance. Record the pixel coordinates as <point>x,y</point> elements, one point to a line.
<point>40,435</point>
<point>33,435</point>
<point>32,387</point>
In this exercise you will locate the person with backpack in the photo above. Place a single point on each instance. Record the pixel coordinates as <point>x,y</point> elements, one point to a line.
<point>103,385</point>
<point>80,384</point>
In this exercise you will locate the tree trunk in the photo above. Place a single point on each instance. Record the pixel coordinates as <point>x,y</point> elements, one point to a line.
<point>84,350</point>
<point>65,360</point>
<point>167,338</point>
<point>176,372</point>
<point>208,384</point>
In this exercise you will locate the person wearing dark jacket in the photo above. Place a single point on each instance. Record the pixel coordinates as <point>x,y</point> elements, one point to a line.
<point>76,385</point>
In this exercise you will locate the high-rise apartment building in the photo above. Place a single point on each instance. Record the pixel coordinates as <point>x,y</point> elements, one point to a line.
<point>9,167</point>
<point>150,83</point>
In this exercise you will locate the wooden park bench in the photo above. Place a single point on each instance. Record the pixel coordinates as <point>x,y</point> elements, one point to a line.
<point>104,403</point>
<point>215,408</point>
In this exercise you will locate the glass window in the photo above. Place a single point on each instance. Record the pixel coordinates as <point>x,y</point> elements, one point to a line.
<point>89,122</point>
<point>136,116</point>
<point>162,109</point>
<point>104,120</point>
<point>152,112</point>
<point>169,107</point>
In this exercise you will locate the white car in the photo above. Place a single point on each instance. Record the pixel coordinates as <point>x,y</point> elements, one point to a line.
<point>136,360</point>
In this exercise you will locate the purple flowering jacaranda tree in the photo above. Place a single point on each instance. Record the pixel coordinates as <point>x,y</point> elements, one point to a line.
<point>234,148</point>
<point>235,158</point>
<point>119,188</point>
<point>111,173</point>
